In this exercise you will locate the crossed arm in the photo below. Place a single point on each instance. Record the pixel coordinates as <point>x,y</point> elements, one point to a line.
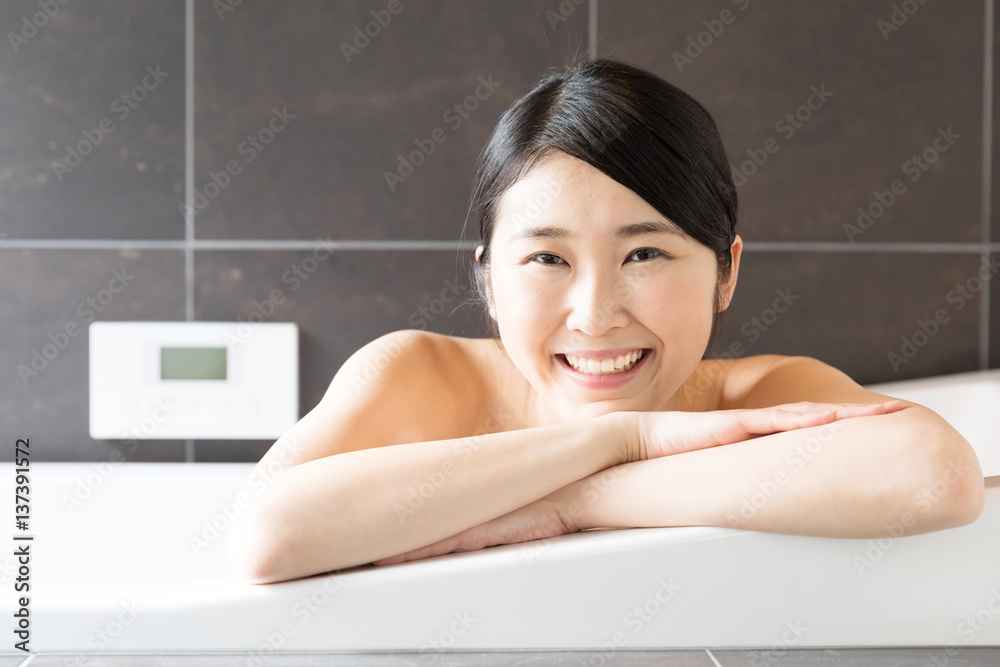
<point>855,478</point>
<point>850,478</point>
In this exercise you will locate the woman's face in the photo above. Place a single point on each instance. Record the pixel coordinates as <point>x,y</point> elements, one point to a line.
<point>609,284</point>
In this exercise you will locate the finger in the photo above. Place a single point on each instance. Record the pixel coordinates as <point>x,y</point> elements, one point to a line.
<point>772,420</point>
<point>842,409</point>
<point>863,409</point>
<point>848,410</point>
<point>817,406</point>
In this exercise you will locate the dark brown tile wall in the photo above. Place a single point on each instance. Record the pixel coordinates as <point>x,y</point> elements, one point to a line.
<point>92,141</point>
<point>49,298</point>
<point>994,352</point>
<point>329,128</point>
<point>325,172</point>
<point>881,102</point>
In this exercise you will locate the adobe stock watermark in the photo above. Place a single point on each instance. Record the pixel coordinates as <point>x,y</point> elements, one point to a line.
<point>447,638</point>
<point>899,16</point>
<point>793,633</point>
<point>249,149</point>
<point>372,29</point>
<point>295,276</point>
<point>927,329</point>
<point>146,427</point>
<point>635,620</point>
<point>122,107</point>
<point>102,639</point>
<point>212,528</point>
<point>752,330</point>
<point>30,26</point>
<point>537,205</point>
<point>302,611</point>
<point>566,9</point>
<point>786,126</point>
<point>593,488</point>
<point>223,7</point>
<point>59,340</point>
<point>421,318</point>
<point>454,116</point>
<point>767,489</point>
<point>914,168</point>
<point>463,448</point>
<point>924,500</point>
<point>967,629</point>
<point>624,288</point>
<point>699,43</point>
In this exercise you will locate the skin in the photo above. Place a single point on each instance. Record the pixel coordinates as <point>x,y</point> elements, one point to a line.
<point>692,438</point>
<point>596,291</point>
<point>685,442</point>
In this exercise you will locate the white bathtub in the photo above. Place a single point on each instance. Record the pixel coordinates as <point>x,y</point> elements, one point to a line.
<point>120,574</point>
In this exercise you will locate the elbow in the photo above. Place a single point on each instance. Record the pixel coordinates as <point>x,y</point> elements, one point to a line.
<point>254,553</point>
<point>266,549</point>
<point>953,493</point>
<point>969,499</point>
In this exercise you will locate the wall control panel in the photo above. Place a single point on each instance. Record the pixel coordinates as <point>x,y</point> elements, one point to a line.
<point>213,380</point>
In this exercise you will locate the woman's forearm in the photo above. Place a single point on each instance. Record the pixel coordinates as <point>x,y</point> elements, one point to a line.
<point>851,478</point>
<point>352,508</point>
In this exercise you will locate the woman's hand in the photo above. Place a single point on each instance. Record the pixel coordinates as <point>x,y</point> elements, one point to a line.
<point>535,521</point>
<point>674,432</point>
<point>660,434</point>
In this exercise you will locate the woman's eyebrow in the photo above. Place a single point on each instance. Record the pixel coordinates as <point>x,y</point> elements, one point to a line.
<point>625,231</point>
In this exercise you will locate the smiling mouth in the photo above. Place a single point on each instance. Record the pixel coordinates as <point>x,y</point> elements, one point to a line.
<point>607,366</point>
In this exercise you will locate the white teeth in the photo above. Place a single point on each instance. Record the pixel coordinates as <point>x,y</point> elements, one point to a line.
<point>605,366</point>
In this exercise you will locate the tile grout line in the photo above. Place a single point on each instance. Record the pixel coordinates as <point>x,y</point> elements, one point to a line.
<point>189,180</point>
<point>189,159</point>
<point>716,662</point>
<point>592,30</point>
<point>985,313</point>
<point>415,245</point>
<point>871,246</point>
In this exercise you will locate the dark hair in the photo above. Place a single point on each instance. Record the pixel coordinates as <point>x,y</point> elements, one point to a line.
<point>639,130</point>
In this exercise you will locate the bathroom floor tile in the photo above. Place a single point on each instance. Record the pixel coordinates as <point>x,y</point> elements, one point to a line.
<point>852,657</point>
<point>861,657</point>
<point>632,658</point>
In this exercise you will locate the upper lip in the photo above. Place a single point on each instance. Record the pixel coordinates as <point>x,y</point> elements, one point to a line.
<point>603,354</point>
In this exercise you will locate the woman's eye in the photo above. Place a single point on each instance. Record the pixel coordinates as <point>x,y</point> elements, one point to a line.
<point>653,253</point>
<point>553,260</point>
<point>543,254</point>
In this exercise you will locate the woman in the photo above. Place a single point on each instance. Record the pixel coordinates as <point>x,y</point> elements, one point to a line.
<point>606,211</point>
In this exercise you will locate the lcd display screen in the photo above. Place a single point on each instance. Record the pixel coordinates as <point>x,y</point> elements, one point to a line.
<point>192,363</point>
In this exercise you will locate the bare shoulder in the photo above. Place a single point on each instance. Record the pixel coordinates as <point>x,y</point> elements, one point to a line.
<point>459,365</point>
<point>765,380</point>
<point>433,377</point>
<point>399,388</point>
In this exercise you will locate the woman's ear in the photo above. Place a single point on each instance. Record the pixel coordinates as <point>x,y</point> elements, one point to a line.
<point>730,285</point>
<point>479,252</point>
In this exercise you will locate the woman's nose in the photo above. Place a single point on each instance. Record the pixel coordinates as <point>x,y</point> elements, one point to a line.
<point>596,305</point>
